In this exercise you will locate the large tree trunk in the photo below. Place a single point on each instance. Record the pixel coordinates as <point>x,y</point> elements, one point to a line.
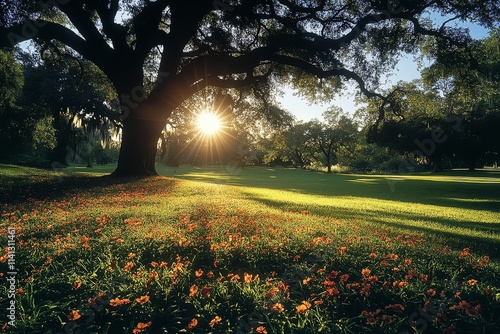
<point>144,121</point>
<point>141,131</point>
<point>138,150</point>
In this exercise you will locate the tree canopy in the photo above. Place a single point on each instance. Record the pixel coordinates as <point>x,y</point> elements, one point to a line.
<point>451,113</point>
<point>185,46</point>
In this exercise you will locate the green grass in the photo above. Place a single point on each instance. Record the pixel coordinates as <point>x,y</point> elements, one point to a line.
<point>265,249</point>
<point>455,204</point>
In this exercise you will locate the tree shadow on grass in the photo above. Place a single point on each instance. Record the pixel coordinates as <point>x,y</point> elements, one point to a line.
<point>14,190</point>
<point>450,189</point>
<point>484,244</point>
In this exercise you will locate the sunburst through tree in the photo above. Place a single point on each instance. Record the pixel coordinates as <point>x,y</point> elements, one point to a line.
<point>212,132</point>
<point>208,123</point>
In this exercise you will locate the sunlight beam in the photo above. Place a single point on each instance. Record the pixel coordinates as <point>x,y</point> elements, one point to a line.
<point>208,123</point>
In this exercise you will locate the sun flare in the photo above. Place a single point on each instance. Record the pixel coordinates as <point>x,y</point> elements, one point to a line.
<point>208,123</point>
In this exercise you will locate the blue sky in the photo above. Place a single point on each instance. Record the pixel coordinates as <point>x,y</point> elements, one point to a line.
<point>406,70</point>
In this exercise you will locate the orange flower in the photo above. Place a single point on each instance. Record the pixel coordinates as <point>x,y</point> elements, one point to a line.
<point>398,284</point>
<point>152,276</point>
<point>198,273</point>
<point>333,275</point>
<point>214,321</point>
<point>407,262</point>
<point>205,291</point>
<point>142,300</point>
<point>365,290</point>
<point>128,266</point>
<point>210,274</point>
<point>247,278</point>
<point>397,308</point>
<point>431,292</point>
<point>372,256</point>
<point>141,327</point>
<point>303,307</point>
<point>77,285</point>
<point>344,277</point>
<point>423,278</point>
<point>192,324</point>
<point>305,281</point>
<point>74,315</point>
<point>332,291</point>
<point>193,290</point>
<point>261,330</point>
<point>470,310</point>
<point>118,302</point>
<point>321,270</point>
<point>342,249</point>
<point>485,260</point>
<point>93,300</point>
<point>392,257</point>
<point>365,272</point>
<point>472,281</point>
<point>464,253</point>
<point>278,307</point>
<point>271,292</point>
<point>131,255</point>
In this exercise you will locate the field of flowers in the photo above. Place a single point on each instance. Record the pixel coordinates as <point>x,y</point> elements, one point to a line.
<point>162,255</point>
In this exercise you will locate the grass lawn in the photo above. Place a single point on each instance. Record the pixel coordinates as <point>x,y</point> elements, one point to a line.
<point>252,250</point>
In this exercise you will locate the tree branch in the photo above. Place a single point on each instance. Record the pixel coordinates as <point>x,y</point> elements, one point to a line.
<point>320,73</point>
<point>83,22</point>
<point>47,31</point>
<point>146,26</point>
<point>116,32</point>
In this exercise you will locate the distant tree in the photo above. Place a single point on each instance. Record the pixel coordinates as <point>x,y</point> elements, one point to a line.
<point>14,127</point>
<point>364,157</point>
<point>11,80</point>
<point>414,123</point>
<point>469,78</point>
<point>294,145</point>
<point>73,92</point>
<point>234,44</point>
<point>336,132</point>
